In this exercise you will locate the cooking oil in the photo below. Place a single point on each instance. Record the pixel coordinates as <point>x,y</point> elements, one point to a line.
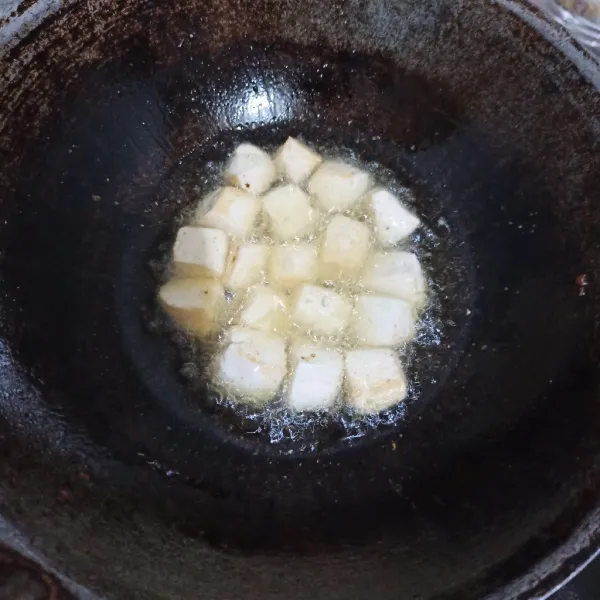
<point>274,421</point>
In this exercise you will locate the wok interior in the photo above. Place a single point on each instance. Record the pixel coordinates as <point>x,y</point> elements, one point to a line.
<point>490,467</point>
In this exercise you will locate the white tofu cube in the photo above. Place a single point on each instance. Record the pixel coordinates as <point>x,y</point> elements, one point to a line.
<point>290,213</point>
<point>253,364</point>
<point>292,265</point>
<point>316,377</point>
<point>295,161</point>
<point>194,304</point>
<point>247,265</point>
<point>321,311</point>
<point>397,274</point>
<point>391,219</point>
<point>337,186</point>
<point>230,209</point>
<point>382,321</point>
<point>251,169</point>
<point>375,380</point>
<point>200,251</point>
<point>264,309</point>
<point>345,248</point>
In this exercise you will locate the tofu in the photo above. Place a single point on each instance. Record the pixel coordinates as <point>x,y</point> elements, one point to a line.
<point>290,214</point>
<point>337,186</point>
<point>194,304</point>
<point>375,380</point>
<point>392,221</point>
<point>230,209</point>
<point>264,309</point>
<point>397,274</point>
<point>290,266</point>
<point>251,169</point>
<point>252,365</point>
<point>345,249</point>
<point>200,252</point>
<point>320,311</point>
<point>296,161</point>
<point>382,321</point>
<point>247,265</point>
<point>316,375</point>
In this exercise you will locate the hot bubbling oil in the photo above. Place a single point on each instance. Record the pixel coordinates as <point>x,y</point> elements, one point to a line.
<point>274,421</point>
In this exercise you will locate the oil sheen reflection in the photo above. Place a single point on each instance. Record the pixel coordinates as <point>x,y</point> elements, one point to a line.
<point>260,103</point>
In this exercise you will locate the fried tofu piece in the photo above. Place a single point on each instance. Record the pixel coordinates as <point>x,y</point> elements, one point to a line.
<point>194,304</point>
<point>345,248</point>
<point>247,265</point>
<point>320,310</point>
<point>337,186</point>
<point>290,213</point>
<point>391,219</point>
<point>251,169</point>
<point>233,210</point>
<point>295,161</point>
<point>316,376</point>
<point>292,265</point>
<point>382,321</point>
<point>398,274</point>
<point>375,380</point>
<point>200,251</point>
<point>265,309</point>
<point>253,365</point>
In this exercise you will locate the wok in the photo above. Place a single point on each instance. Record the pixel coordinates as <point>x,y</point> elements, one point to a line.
<point>120,475</point>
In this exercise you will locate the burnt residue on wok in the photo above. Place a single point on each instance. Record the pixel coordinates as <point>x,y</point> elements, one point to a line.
<point>106,112</point>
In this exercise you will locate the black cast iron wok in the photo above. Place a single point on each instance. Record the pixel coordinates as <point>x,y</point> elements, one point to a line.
<point>488,487</point>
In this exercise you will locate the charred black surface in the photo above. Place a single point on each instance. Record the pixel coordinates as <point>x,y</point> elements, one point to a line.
<point>495,463</point>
